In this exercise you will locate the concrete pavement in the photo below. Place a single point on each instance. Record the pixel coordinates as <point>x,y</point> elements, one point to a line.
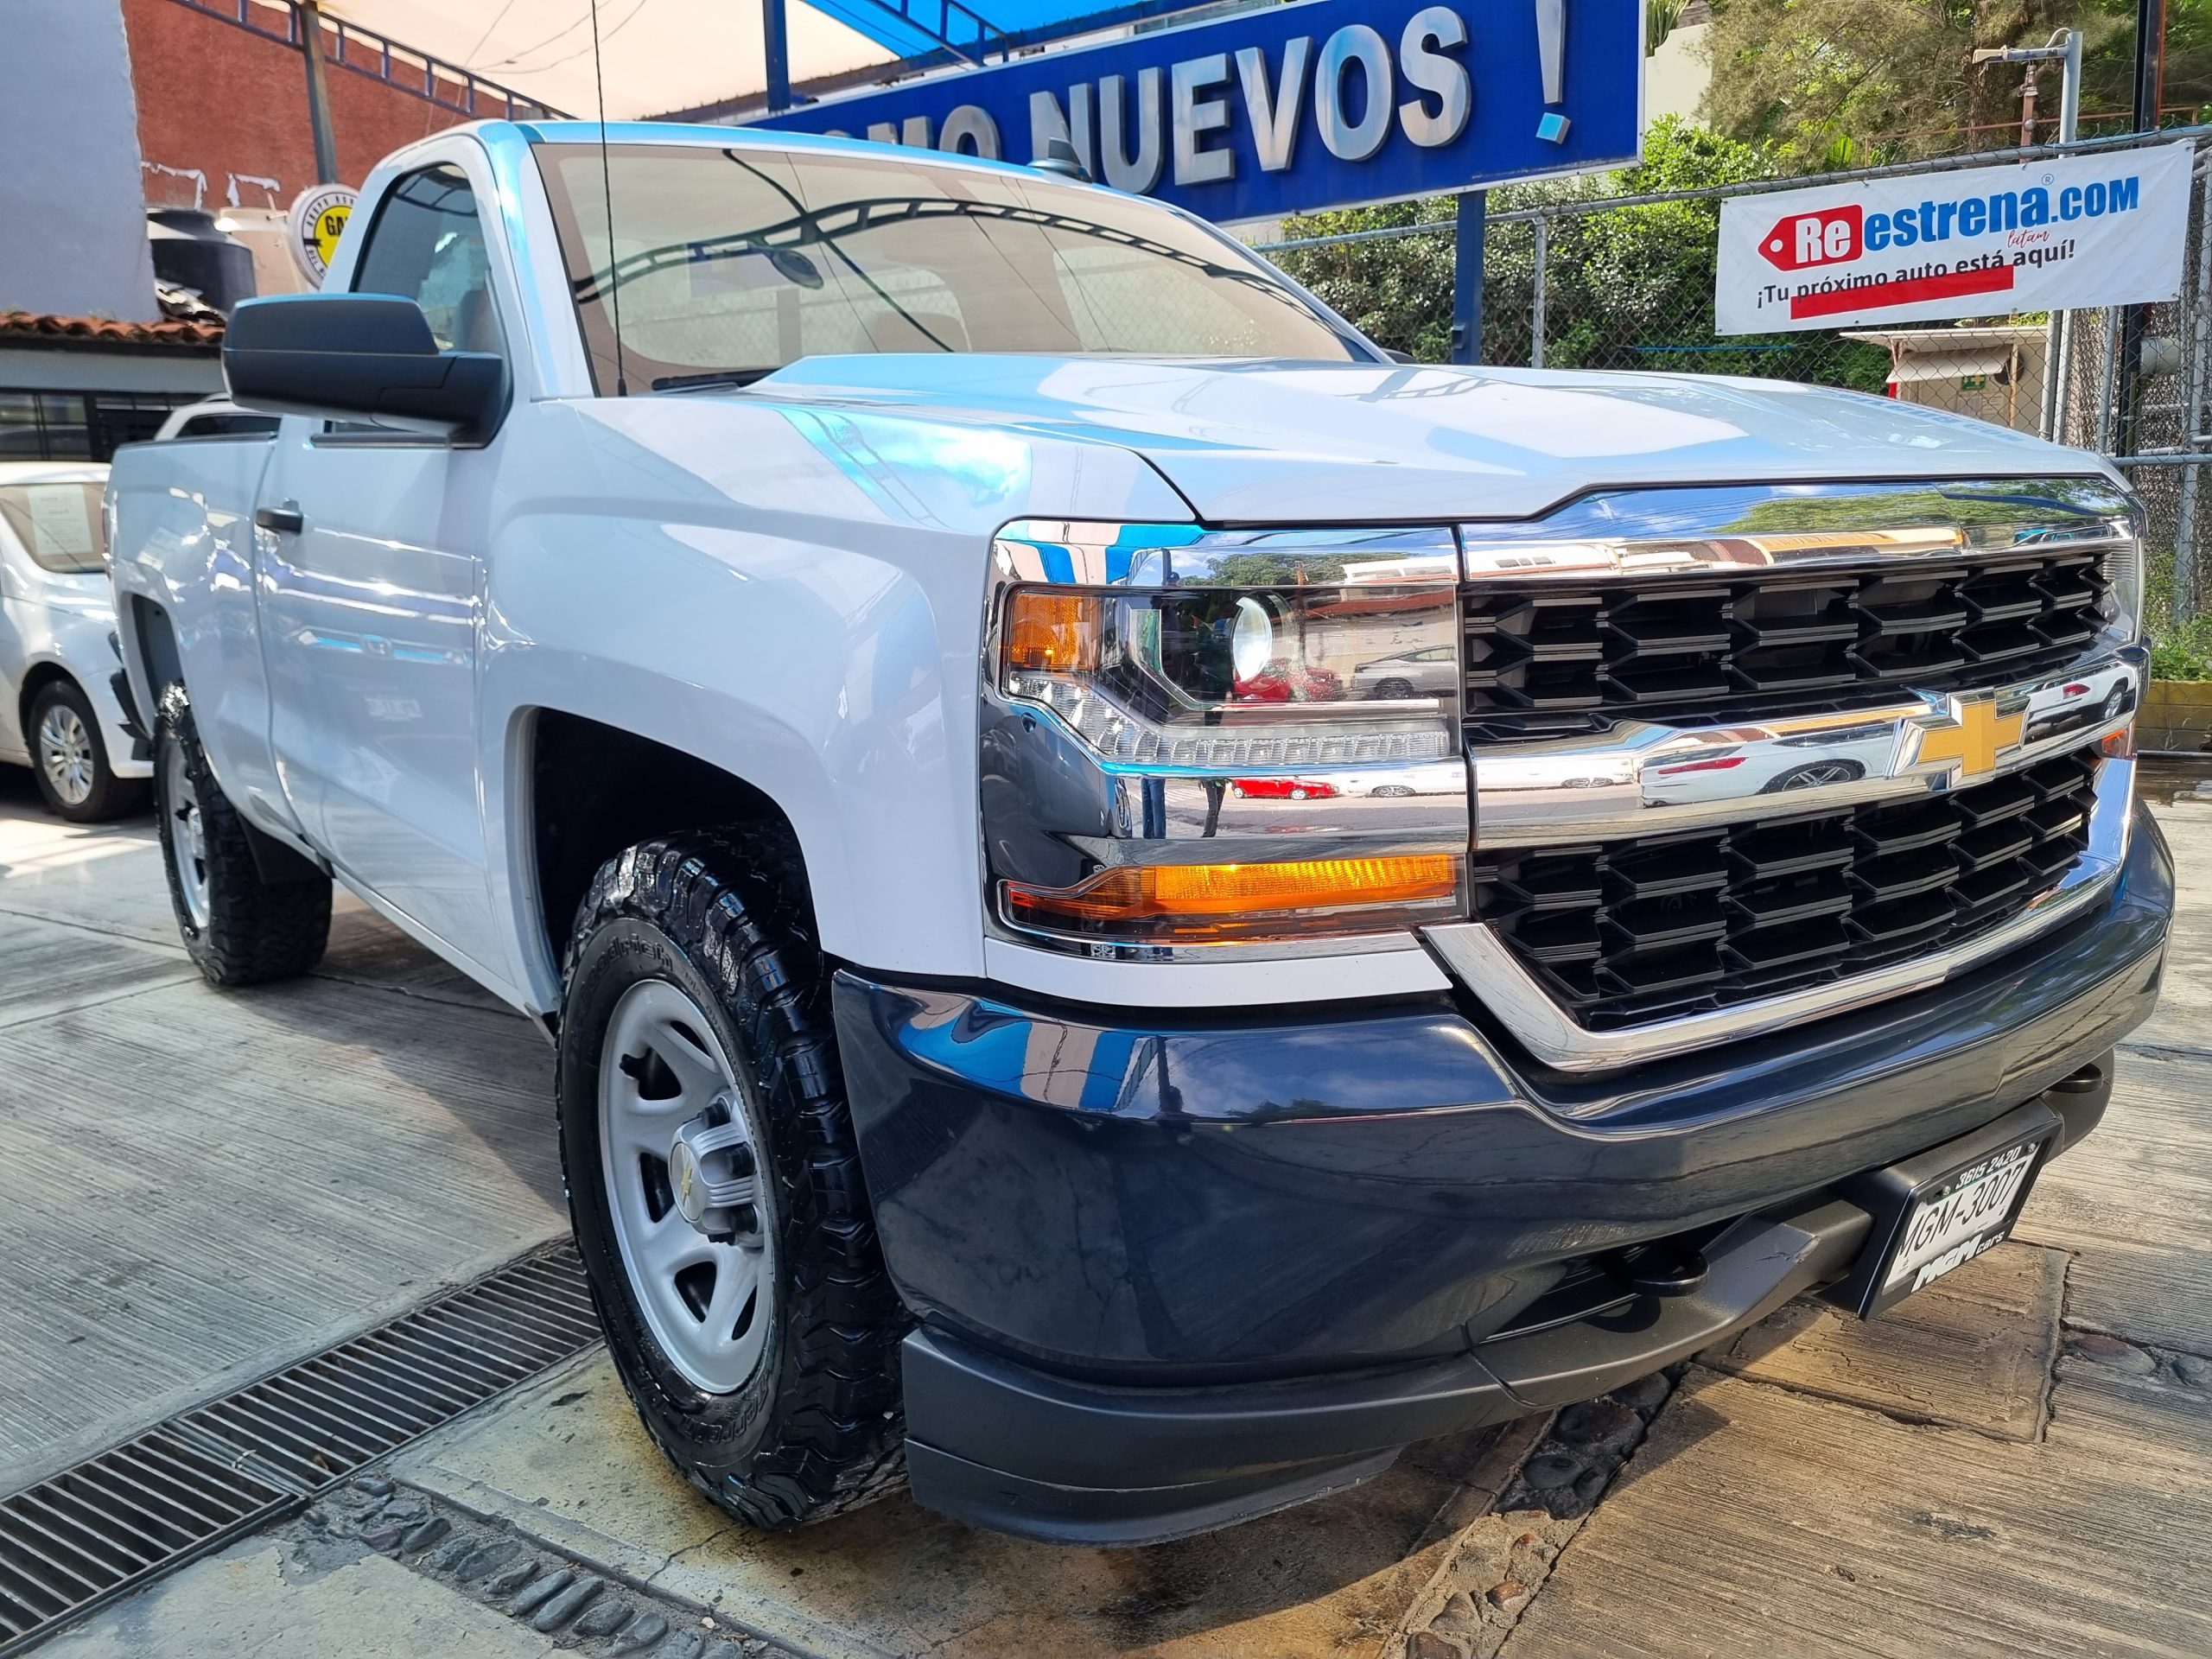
<point>196,1186</point>
<point>2017,1461</point>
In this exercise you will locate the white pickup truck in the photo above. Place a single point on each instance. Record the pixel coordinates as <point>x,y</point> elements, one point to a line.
<point>1142,906</point>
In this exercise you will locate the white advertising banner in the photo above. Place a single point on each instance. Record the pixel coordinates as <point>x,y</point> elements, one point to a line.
<point>1974,242</point>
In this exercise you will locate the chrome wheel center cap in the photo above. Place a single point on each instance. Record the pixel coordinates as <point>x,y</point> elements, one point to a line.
<point>710,1174</point>
<point>688,1185</point>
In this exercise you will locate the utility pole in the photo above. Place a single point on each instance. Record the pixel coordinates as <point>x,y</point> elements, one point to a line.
<point>2150,76</point>
<point>2065,47</point>
<point>1467,275</point>
<point>2150,61</point>
<point>308,15</point>
<point>776,46</point>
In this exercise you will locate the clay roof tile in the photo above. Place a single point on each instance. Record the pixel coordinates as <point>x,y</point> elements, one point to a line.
<point>38,326</point>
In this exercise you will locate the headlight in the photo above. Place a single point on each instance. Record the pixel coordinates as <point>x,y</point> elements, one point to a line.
<point>2124,570</point>
<point>1218,678</point>
<point>1199,738</point>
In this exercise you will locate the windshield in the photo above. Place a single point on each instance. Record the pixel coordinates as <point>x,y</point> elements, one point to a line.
<point>59,525</point>
<point>732,263</point>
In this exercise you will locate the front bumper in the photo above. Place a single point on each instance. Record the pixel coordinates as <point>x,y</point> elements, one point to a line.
<point>1176,1275</point>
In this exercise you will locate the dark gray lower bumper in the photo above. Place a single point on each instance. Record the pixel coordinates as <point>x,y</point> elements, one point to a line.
<point>1174,1275</point>
<point>1104,1465</point>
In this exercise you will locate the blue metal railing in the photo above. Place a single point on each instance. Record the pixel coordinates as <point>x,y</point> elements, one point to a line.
<point>923,28</point>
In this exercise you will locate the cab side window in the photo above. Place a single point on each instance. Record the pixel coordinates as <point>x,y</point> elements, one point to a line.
<point>428,246</point>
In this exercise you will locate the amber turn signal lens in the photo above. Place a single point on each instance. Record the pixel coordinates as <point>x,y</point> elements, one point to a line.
<point>2119,745</point>
<point>1130,894</point>
<point>1050,633</point>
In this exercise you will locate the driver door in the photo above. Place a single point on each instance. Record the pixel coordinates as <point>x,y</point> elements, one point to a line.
<point>370,545</point>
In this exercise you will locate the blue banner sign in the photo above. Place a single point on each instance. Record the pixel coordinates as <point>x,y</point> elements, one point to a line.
<point>1292,108</point>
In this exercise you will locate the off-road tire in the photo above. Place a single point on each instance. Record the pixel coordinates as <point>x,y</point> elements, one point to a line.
<point>112,797</point>
<point>818,1428</point>
<point>257,930</point>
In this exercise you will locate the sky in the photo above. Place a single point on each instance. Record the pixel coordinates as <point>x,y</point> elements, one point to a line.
<point>660,54</point>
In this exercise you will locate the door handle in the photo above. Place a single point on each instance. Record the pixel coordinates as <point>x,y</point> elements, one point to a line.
<point>286,519</point>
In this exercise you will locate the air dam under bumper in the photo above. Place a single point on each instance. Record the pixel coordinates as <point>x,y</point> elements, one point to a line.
<point>1176,1276</point>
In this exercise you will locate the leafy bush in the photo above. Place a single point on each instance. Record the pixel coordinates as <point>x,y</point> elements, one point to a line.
<point>2182,652</point>
<point>2179,651</point>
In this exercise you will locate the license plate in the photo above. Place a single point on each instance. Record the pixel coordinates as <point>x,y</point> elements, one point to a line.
<point>1957,1220</point>
<point>1941,1208</point>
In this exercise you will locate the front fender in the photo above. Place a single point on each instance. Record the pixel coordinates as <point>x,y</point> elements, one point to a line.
<point>793,594</point>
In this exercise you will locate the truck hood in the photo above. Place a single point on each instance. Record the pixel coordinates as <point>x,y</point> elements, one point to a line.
<point>1272,442</point>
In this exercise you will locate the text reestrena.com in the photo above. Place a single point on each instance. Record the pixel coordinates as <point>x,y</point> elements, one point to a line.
<point>2001,210</point>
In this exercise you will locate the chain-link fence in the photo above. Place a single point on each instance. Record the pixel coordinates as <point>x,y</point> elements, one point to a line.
<point>1589,280</point>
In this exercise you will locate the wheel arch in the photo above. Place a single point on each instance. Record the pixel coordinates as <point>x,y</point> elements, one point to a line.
<point>146,641</point>
<point>585,790</point>
<point>42,673</point>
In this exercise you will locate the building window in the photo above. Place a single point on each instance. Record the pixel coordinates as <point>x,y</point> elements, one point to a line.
<point>80,426</point>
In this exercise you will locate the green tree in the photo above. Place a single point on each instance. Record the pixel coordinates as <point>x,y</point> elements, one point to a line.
<point>1397,292</point>
<point>1628,288</point>
<point>1829,84</point>
<point>1812,79</point>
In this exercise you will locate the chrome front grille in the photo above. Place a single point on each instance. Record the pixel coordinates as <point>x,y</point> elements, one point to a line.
<point>1624,931</point>
<point>1754,644</point>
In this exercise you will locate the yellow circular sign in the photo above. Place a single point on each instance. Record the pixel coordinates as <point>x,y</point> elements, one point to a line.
<point>319,219</point>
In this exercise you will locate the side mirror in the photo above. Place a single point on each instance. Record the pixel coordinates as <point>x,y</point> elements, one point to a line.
<point>366,356</point>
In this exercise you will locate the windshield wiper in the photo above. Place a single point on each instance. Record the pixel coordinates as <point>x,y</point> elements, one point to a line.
<point>712,377</point>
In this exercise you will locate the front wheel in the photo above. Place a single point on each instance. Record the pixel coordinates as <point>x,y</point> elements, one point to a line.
<point>70,759</point>
<point>714,1183</point>
<point>239,928</point>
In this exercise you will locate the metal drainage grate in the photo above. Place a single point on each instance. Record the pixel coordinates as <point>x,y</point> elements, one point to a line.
<point>108,1524</point>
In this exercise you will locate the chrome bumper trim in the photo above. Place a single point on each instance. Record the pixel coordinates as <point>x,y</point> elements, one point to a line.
<point>1474,956</point>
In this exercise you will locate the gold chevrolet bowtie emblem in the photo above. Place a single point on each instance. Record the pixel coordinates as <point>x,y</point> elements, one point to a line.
<point>1974,734</point>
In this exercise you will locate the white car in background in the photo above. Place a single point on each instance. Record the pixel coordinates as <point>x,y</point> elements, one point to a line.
<point>60,713</point>
<point>1814,760</point>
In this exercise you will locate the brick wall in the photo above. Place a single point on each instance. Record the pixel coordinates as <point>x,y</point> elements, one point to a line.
<point>223,112</point>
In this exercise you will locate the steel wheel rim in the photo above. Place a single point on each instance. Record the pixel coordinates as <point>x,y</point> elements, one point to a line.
<point>187,831</point>
<point>65,754</point>
<point>662,1070</point>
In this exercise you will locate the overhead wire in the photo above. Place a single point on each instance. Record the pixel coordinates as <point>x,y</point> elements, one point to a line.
<point>515,61</point>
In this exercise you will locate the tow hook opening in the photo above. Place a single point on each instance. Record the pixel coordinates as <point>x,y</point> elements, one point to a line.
<point>1662,1267</point>
<point>2089,1077</point>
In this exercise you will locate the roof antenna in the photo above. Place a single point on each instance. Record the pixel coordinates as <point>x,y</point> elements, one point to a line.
<point>607,186</point>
